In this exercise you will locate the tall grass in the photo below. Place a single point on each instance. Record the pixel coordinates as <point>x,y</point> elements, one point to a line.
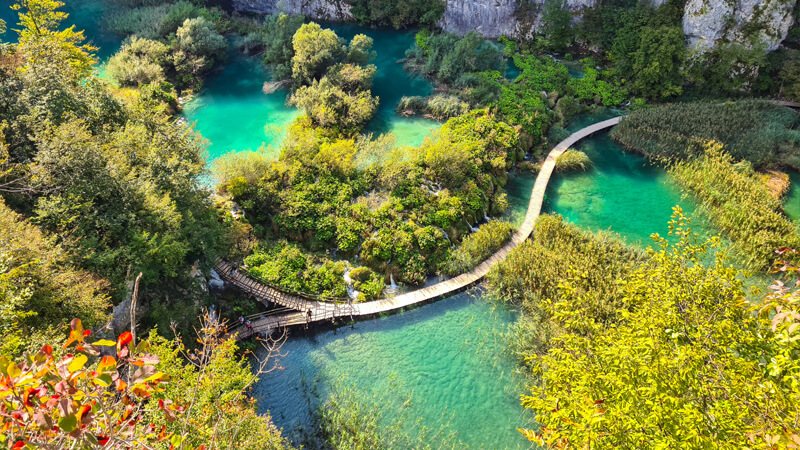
<point>438,106</point>
<point>572,161</point>
<point>739,203</point>
<point>476,247</point>
<point>765,134</point>
<point>530,275</point>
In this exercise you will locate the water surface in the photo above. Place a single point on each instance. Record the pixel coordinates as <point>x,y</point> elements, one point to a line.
<point>447,356</point>
<point>234,114</point>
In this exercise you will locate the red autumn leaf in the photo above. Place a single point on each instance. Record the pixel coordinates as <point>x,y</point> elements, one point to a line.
<point>18,445</point>
<point>47,350</point>
<point>124,339</point>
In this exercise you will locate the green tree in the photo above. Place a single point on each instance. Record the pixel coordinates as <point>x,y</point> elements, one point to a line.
<point>142,61</point>
<point>557,25</point>
<point>279,29</point>
<point>360,50</point>
<point>685,364</point>
<point>198,47</point>
<point>315,49</point>
<point>657,62</point>
<point>331,106</point>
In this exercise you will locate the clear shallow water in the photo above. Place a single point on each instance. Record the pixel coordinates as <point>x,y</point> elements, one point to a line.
<point>233,113</point>
<point>448,356</point>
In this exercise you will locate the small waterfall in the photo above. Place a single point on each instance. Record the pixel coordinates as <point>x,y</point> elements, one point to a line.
<point>351,291</point>
<point>485,217</point>
<point>471,228</point>
<point>392,284</point>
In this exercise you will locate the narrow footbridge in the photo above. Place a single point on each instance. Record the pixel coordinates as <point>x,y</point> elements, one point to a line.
<point>298,309</point>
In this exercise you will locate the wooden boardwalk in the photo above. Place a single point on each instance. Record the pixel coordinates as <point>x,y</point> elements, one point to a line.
<point>307,310</point>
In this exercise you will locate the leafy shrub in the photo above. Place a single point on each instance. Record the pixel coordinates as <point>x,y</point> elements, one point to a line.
<point>438,106</point>
<point>398,13</point>
<point>143,22</point>
<point>478,246</point>
<point>368,283</point>
<point>573,160</point>
<point>278,51</point>
<point>142,61</point>
<point>286,266</point>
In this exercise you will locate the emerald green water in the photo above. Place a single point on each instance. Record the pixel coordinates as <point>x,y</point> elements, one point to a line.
<point>84,14</point>
<point>233,113</point>
<point>792,204</point>
<point>447,356</point>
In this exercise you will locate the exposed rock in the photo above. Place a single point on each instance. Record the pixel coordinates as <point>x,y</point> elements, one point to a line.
<point>332,10</point>
<point>705,22</point>
<point>708,22</point>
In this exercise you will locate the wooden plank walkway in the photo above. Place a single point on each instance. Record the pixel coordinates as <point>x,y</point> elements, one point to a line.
<point>308,311</point>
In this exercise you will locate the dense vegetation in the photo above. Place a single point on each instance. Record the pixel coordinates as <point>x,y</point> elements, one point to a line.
<point>739,203</point>
<point>398,209</point>
<point>115,182</point>
<point>397,13</point>
<point>708,370</point>
<point>542,95</point>
<point>178,43</point>
<point>531,275</point>
<point>758,131</point>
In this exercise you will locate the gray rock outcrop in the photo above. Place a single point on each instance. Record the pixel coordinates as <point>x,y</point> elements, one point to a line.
<point>706,23</point>
<point>331,10</point>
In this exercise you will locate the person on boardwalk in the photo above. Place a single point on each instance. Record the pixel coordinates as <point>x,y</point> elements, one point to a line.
<point>233,272</point>
<point>241,320</point>
<point>249,325</point>
<point>308,315</point>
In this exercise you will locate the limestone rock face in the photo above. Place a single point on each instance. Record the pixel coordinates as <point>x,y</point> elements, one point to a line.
<point>492,18</point>
<point>705,22</point>
<point>331,10</point>
<point>708,22</point>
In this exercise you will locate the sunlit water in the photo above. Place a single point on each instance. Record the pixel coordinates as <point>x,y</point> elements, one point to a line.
<point>447,357</point>
<point>233,113</point>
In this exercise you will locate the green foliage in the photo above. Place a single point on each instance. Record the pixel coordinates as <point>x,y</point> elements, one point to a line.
<point>729,68</point>
<point>531,274</point>
<point>215,382</point>
<point>279,29</point>
<point>557,25</point>
<point>739,204</point>
<point>286,266</point>
<point>40,290</point>
<point>368,283</point>
<point>790,75</point>
<point>399,14</point>
<point>447,56</point>
<point>141,61</point>
<point>341,100</point>
<point>144,22</point>
<point>573,160</point>
<point>198,48</point>
<point>698,354</point>
<point>478,246</point>
<point>438,106</point>
<point>758,131</point>
<point>398,209</point>
<point>334,81</point>
<point>315,49</point>
<point>593,88</point>
<point>657,62</point>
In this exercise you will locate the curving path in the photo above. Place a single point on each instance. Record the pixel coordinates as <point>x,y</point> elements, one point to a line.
<point>320,311</point>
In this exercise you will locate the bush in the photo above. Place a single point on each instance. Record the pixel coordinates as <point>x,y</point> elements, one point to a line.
<point>573,160</point>
<point>286,266</point>
<point>479,246</point>
<point>368,283</point>
<point>143,22</point>
<point>765,134</point>
<point>278,51</point>
<point>438,106</point>
<point>141,61</point>
<point>397,13</point>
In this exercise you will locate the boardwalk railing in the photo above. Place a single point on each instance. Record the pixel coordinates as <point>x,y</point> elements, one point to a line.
<point>307,310</point>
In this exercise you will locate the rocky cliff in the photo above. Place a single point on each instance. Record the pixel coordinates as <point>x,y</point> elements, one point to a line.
<point>705,22</point>
<point>708,22</point>
<point>332,10</point>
